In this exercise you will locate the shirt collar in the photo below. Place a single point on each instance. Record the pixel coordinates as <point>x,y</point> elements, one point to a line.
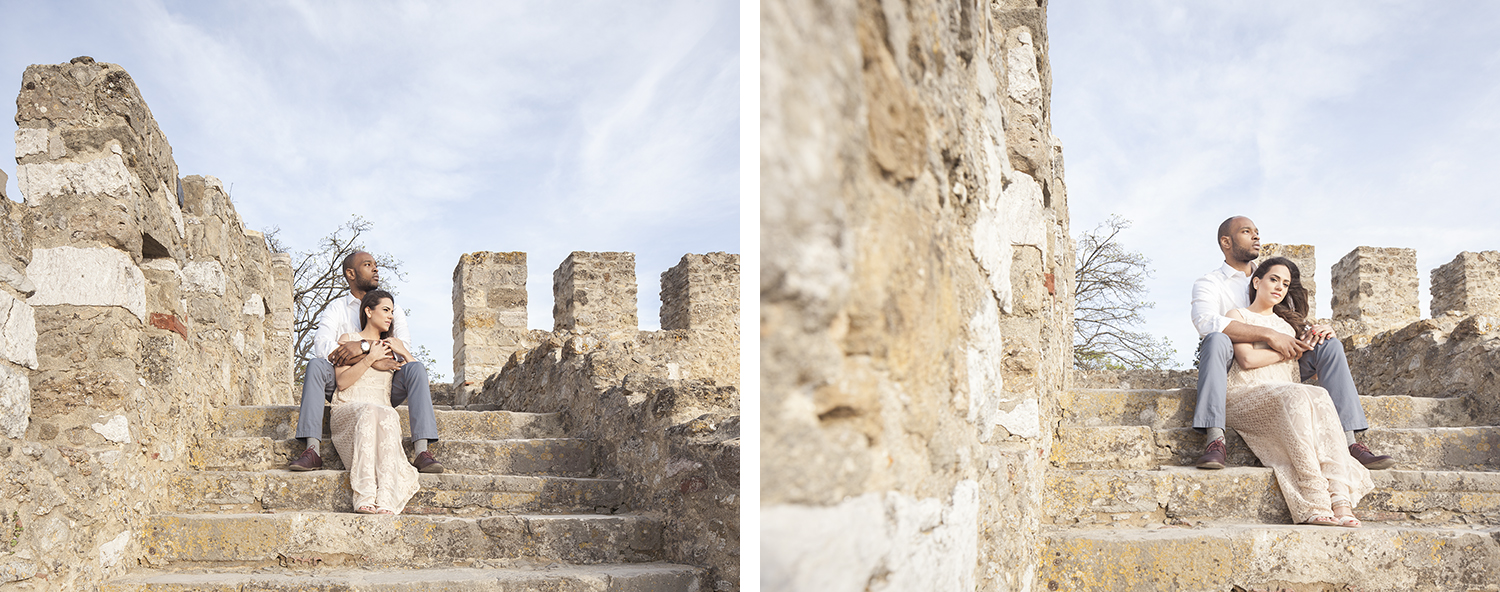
<point>1229,272</point>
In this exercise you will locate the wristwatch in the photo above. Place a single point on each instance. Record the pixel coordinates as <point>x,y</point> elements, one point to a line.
<point>364,347</point>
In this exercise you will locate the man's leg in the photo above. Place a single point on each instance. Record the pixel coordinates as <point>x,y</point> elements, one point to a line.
<point>1214,356</point>
<point>410,385</point>
<point>1328,362</point>
<point>317,386</point>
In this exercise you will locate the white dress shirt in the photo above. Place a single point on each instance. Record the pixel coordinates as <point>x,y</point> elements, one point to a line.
<point>342,316</point>
<point>1214,295</point>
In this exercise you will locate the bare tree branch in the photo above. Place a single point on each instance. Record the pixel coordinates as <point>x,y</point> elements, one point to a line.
<point>1111,282</point>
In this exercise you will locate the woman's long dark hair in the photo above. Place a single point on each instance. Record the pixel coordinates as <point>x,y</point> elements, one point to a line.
<point>1293,308</point>
<point>373,297</point>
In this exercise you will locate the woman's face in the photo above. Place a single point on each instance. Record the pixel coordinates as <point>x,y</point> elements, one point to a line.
<point>381,315</point>
<point>1271,288</point>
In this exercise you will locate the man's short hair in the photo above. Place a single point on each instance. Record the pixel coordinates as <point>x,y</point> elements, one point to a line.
<point>349,262</point>
<point>1225,228</point>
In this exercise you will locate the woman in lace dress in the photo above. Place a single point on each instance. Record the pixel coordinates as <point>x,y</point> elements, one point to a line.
<point>1292,427</point>
<point>366,428</point>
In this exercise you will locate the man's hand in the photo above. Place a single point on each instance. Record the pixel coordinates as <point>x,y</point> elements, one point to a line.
<point>386,364</point>
<point>347,354</point>
<point>1317,334</point>
<point>1289,347</point>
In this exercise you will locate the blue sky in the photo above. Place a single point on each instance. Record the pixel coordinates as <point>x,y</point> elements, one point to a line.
<point>452,126</point>
<point>1334,124</point>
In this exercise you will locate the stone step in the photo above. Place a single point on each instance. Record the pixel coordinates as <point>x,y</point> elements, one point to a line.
<point>1174,408</point>
<point>448,493</point>
<point>410,541</point>
<point>280,422</point>
<point>1142,447</point>
<point>562,457</point>
<point>630,577</point>
<point>1264,557</point>
<point>1250,494</point>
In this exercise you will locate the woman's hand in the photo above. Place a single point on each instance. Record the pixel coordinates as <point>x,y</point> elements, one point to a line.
<point>379,350</point>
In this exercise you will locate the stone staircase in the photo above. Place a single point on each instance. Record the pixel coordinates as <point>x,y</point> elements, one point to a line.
<point>1123,512</point>
<point>517,509</point>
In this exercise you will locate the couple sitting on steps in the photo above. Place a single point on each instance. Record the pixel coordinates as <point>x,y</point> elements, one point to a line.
<point>1258,346</point>
<point>361,363</point>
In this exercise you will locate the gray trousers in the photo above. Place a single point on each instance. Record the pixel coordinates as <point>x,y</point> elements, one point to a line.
<point>1327,361</point>
<point>408,384</point>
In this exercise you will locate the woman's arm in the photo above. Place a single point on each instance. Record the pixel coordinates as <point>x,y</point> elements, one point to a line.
<point>346,376</point>
<point>399,348</point>
<point>1250,357</point>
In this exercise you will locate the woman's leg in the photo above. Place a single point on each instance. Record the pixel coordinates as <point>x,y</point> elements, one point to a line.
<point>354,431</point>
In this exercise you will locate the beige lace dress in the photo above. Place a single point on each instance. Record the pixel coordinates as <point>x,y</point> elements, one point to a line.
<point>367,435</point>
<point>1294,429</point>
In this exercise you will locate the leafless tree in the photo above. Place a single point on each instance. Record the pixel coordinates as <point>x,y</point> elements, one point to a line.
<point>1110,284</point>
<point>318,280</point>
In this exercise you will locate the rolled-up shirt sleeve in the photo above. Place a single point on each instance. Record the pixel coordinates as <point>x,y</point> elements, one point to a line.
<point>1205,308</point>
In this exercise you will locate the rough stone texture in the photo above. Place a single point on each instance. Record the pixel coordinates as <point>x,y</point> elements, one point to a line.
<point>87,277</point>
<point>5,179</point>
<point>136,305</point>
<point>675,443</point>
<point>702,292</point>
<point>1469,284</point>
<point>489,316</point>
<point>1374,290</point>
<point>916,289</point>
<point>1307,264</point>
<point>1447,356</point>
<point>595,293</point>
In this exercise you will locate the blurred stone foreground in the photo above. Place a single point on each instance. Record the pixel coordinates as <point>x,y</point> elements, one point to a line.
<point>921,429</point>
<point>146,397</point>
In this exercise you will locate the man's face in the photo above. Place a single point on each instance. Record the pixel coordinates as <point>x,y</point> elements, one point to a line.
<point>1244,240</point>
<point>365,275</point>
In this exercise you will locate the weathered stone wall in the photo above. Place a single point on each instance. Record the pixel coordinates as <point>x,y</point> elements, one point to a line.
<point>149,303</point>
<point>1375,290</point>
<point>663,406</point>
<point>1468,284</point>
<point>489,316</point>
<point>595,293</point>
<point>916,293</point>
<point>1450,355</point>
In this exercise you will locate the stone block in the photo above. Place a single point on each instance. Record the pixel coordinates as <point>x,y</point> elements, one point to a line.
<point>87,277</point>
<point>595,293</point>
<point>1469,284</point>
<point>1375,289</point>
<point>204,276</point>
<point>15,402</point>
<point>702,292</point>
<point>17,331</point>
<point>1307,266</point>
<point>489,311</point>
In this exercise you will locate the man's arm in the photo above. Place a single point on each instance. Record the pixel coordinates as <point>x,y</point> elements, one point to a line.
<point>329,329</point>
<point>1207,318</point>
<point>400,331</point>
<point>1285,345</point>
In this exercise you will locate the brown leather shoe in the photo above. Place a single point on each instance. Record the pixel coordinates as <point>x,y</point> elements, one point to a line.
<point>309,461</point>
<point>1370,460</point>
<point>426,464</point>
<point>1213,455</point>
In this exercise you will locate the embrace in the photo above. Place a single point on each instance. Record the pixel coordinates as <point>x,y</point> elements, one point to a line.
<point>362,364</point>
<point>1258,347</point>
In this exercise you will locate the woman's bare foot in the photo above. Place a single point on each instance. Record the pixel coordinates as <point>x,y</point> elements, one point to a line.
<point>372,510</point>
<point>1345,515</point>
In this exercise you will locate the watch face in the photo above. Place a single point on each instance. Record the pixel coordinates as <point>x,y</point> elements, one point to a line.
<point>364,346</point>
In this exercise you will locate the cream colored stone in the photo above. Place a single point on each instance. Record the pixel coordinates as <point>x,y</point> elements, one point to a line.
<point>254,306</point>
<point>204,276</point>
<point>87,277</point>
<point>112,552</point>
<point>15,402</point>
<point>17,331</point>
<point>116,430</point>
<point>107,175</point>
<point>1025,86</point>
<point>30,140</point>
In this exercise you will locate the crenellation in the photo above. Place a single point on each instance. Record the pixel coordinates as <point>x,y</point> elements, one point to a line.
<point>595,293</point>
<point>1468,284</point>
<point>702,292</point>
<point>1374,290</point>
<point>489,314</point>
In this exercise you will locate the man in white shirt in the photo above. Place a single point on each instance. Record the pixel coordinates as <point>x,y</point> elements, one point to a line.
<point>409,383</point>
<point>1228,288</point>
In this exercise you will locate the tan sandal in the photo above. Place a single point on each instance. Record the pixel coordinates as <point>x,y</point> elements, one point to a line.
<point>372,510</point>
<point>1344,513</point>
<point>1324,520</point>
